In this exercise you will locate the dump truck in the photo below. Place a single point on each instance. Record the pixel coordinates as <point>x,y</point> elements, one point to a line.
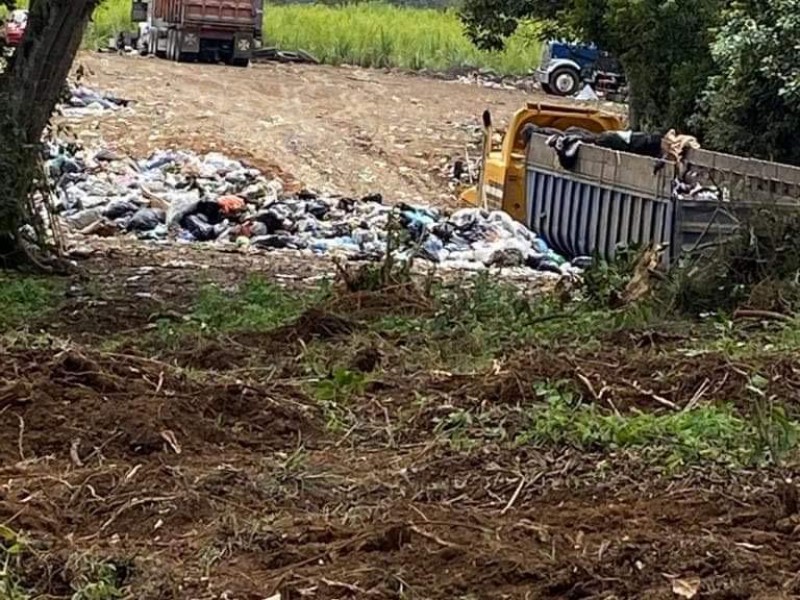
<point>610,199</point>
<point>214,30</point>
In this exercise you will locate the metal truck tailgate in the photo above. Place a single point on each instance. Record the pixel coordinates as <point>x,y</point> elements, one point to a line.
<point>233,13</point>
<point>610,199</point>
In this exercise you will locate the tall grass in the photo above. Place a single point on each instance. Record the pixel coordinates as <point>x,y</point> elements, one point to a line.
<point>109,19</point>
<point>379,35</point>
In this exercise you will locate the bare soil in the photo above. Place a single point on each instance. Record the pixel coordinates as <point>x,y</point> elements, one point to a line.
<point>208,471</point>
<point>346,130</point>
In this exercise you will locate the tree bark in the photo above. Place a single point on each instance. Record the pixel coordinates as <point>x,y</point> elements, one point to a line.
<point>29,91</point>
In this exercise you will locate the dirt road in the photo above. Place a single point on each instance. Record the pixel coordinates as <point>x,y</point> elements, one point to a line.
<point>344,129</point>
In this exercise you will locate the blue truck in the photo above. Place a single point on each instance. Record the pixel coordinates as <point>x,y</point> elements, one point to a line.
<point>566,67</point>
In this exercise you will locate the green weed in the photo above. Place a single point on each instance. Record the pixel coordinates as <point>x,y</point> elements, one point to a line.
<point>24,299</point>
<point>475,323</point>
<point>109,19</point>
<point>340,386</point>
<point>465,428</point>
<point>369,34</point>
<point>334,394</point>
<point>704,434</point>
<point>258,305</point>
<point>12,549</point>
<point>94,579</point>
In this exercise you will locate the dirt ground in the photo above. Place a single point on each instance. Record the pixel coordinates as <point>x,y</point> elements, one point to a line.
<point>207,470</point>
<point>345,130</point>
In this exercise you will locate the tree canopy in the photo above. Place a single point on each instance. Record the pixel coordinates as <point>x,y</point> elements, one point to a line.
<point>752,103</point>
<point>725,70</point>
<point>663,46</point>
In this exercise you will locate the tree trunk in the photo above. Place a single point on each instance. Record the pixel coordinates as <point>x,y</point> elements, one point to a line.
<point>29,90</point>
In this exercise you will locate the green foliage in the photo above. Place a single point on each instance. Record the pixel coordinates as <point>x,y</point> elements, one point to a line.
<point>752,105</point>
<point>758,266</point>
<point>368,34</point>
<point>707,433</point>
<point>663,46</point>
<point>605,281</point>
<point>258,305</point>
<point>109,19</point>
<point>335,392</point>
<point>375,34</point>
<point>340,386</point>
<point>23,299</point>
<point>99,581</point>
<point>12,549</point>
<point>473,323</point>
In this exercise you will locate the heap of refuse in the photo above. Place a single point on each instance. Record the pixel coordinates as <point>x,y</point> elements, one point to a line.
<point>186,197</point>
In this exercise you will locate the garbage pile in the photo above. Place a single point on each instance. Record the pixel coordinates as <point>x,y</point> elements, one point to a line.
<point>182,196</point>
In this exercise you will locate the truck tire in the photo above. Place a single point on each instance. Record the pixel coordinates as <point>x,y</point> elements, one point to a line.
<point>174,45</point>
<point>546,88</point>
<point>565,81</point>
<point>156,51</point>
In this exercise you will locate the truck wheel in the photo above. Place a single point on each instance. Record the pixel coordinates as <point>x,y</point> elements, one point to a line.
<point>546,88</point>
<point>156,51</point>
<point>565,81</point>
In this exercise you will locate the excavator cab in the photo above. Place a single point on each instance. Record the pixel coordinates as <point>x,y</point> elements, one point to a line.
<point>502,181</point>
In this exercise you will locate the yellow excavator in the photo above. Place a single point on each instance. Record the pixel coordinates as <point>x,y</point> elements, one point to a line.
<point>503,177</point>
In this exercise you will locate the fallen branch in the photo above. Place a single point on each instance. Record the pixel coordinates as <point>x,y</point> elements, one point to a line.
<point>433,538</point>
<point>133,504</point>
<point>651,394</point>
<point>514,496</point>
<point>597,397</point>
<point>697,395</point>
<point>746,313</point>
<point>21,435</point>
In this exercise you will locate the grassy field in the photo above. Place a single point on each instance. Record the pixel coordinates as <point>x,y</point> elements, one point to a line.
<point>380,35</point>
<point>369,35</point>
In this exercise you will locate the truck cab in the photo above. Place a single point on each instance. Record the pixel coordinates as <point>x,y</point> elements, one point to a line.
<point>566,67</point>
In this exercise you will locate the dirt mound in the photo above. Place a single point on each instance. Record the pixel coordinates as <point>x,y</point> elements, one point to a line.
<point>79,404</point>
<point>314,324</point>
<point>643,379</point>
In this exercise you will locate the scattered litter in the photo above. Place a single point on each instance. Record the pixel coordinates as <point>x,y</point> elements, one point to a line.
<point>84,101</point>
<point>184,197</point>
<point>284,56</point>
<point>686,588</point>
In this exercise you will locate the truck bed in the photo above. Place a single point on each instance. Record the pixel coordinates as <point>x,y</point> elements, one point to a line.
<point>229,14</point>
<point>612,199</point>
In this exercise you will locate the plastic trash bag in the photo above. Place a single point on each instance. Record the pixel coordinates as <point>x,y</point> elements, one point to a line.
<point>145,219</point>
<point>180,205</point>
<point>119,208</point>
